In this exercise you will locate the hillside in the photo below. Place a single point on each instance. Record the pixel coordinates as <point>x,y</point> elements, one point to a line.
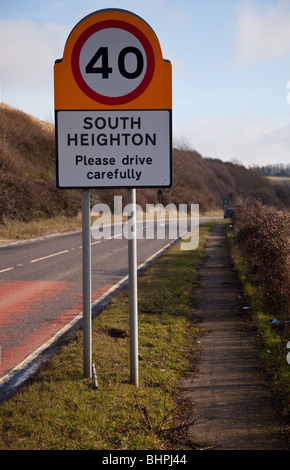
<point>28,189</point>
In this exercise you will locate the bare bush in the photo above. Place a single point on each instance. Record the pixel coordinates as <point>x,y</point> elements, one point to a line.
<point>25,199</point>
<point>264,233</point>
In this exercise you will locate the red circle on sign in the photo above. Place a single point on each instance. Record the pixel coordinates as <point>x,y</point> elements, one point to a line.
<point>75,60</point>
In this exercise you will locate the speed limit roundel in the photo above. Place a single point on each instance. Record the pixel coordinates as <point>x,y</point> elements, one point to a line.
<point>113,62</point>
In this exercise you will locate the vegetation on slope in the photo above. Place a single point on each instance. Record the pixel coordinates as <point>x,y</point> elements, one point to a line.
<point>27,168</point>
<point>28,188</point>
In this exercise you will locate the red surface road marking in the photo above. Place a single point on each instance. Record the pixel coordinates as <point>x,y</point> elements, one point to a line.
<point>31,313</point>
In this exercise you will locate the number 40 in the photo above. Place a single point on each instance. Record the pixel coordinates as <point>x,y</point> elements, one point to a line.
<point>102,54</point>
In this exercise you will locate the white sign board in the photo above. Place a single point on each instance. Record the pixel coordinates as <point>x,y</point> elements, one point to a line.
<point>106,149</point>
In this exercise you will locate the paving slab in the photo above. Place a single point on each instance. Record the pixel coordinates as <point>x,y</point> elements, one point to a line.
<point>234,409</point>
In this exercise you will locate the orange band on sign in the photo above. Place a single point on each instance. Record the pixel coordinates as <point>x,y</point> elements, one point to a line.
<point>146,75</point>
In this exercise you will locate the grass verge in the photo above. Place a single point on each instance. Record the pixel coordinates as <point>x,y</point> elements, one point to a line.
<point>272,337</point>
<point>59,409</point>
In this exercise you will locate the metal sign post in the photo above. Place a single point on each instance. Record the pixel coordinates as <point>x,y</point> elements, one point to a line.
<point>87,299</point>
<point>133,290</point>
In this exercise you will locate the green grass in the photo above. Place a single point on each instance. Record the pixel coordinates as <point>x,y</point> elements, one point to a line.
<point>59,409</point>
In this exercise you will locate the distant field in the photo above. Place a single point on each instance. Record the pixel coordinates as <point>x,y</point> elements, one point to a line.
<point>279,179</point>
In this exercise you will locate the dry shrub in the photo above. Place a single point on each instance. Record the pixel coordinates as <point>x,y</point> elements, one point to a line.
<point>27,170</point>
<point>26,146</point>
<point>264,233</point>
<point>27,199</point>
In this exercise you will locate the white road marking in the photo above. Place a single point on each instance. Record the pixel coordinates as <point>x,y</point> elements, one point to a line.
<point>49,256</point>
<point>7,269</point>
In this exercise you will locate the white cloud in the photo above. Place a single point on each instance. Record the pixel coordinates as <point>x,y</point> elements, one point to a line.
<point>28,51</point>
<point>262,34</point>
<point>251,140</point>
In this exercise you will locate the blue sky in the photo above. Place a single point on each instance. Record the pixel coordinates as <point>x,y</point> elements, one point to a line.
<point>230,59</point>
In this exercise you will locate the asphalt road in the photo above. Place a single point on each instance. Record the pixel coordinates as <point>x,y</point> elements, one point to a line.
<point>41,285</point>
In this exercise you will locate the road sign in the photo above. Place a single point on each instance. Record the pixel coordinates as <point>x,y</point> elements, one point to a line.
<point>113,105</point>
<point>226,201</point>
<point>119,68</point>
